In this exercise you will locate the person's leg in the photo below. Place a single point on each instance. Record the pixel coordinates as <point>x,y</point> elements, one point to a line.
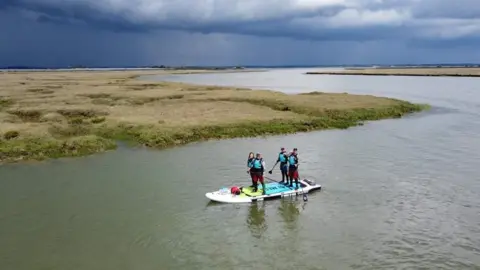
<point>284,171</point>
<point>260,178</point>
<point>255,182</point>
<point>291,172</point>
<point>296,178</point>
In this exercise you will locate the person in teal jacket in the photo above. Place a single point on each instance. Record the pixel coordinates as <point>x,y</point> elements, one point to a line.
<point>283,159</point>
<point>258,168</point>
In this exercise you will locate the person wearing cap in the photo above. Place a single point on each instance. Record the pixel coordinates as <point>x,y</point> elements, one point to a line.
<point>257,169</point>
<point>293,167</point>
<point>283,159</point>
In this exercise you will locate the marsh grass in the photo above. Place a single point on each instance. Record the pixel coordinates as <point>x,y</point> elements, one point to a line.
<point>40,91</point>
<point>81,113</point>
<point>5,103</point>
<point>27,115</point>
<point>40,148</point>
<point>89,111</point>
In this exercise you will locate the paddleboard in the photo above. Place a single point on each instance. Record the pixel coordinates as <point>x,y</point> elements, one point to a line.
<point>273,190</point>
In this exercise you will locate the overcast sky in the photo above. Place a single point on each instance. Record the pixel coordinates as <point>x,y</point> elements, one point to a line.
<point>238,32</point>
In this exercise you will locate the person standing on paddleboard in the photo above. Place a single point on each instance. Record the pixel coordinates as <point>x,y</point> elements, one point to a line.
<point>251,157</point>
<point>258,168</point>
<point>283,159</point>
<point>293,167</point>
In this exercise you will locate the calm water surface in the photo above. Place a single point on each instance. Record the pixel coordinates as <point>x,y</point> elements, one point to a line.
<point>398,194</point>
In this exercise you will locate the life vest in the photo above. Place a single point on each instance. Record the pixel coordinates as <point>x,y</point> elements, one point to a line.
<point>282,157</point>
<point>257,164</point>
<point>250,162</point>
<point>292,160</point>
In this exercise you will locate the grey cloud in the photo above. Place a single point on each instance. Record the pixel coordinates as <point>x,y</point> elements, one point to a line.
<point>336,20</point>
<point>243,32</point>
<point>39,44</point>
<point>457,9</point>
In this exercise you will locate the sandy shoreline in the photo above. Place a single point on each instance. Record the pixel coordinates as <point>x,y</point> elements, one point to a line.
<point>437,72</point>
<point>76,113</point>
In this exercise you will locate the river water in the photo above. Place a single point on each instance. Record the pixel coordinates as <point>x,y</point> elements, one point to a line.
<point>397,194</point>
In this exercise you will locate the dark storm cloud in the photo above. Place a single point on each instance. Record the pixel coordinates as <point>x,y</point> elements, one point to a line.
<point>238,32</point>
<point>345,20</point>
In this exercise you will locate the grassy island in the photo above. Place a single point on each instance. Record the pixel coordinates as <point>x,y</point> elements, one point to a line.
<point>406,71</point>
<point>74,113</point>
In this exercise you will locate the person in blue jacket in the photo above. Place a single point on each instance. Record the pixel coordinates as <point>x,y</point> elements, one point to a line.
<point>283,159</point>
<point>258,168</point>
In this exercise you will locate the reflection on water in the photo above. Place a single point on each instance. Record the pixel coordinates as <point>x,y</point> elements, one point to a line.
<point>289,212</point>
<point>256,219</point>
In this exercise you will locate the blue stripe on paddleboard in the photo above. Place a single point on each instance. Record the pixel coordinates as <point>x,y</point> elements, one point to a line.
<point>273,188</point>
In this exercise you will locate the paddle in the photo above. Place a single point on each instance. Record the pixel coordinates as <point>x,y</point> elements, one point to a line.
<point>271,179</point>
<point>270,172</point>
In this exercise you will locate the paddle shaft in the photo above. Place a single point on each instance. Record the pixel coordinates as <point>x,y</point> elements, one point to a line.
<point>268,178</point>
<point>270,172</point>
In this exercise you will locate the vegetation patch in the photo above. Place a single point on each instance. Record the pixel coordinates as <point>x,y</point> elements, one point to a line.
<point>97,120</point>
<point>103,98</point>
<point>242,89</point>
<point>96,95</point>
<point>5,103</point>
<point>194,88</point>
<point>314,93</point>
<point>69,130</point>
<point>54,86</point>
<point>158,137</point>
<point>67,124</point>
<point>43,148</point>
<point>174,97</point>
<point>27,115</point>
<point>143,100</point>
<point>12,134</point>
<point>141,87</point>
<point>147,100</point>
<point>40,91</point>
<point>81,113</point>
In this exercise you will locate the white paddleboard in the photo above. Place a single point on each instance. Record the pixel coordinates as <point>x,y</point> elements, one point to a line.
<point>274,190</point>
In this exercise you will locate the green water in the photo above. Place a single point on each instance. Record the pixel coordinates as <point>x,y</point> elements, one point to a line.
<point>397,194</point>
<point>132,209</point>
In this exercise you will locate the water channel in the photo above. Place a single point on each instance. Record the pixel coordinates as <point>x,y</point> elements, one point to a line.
<point>398,194</point>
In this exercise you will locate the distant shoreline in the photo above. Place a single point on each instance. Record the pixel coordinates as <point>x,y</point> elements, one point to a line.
<point>406,71</point>
<point>167,70</point>
<point>213,68</point>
